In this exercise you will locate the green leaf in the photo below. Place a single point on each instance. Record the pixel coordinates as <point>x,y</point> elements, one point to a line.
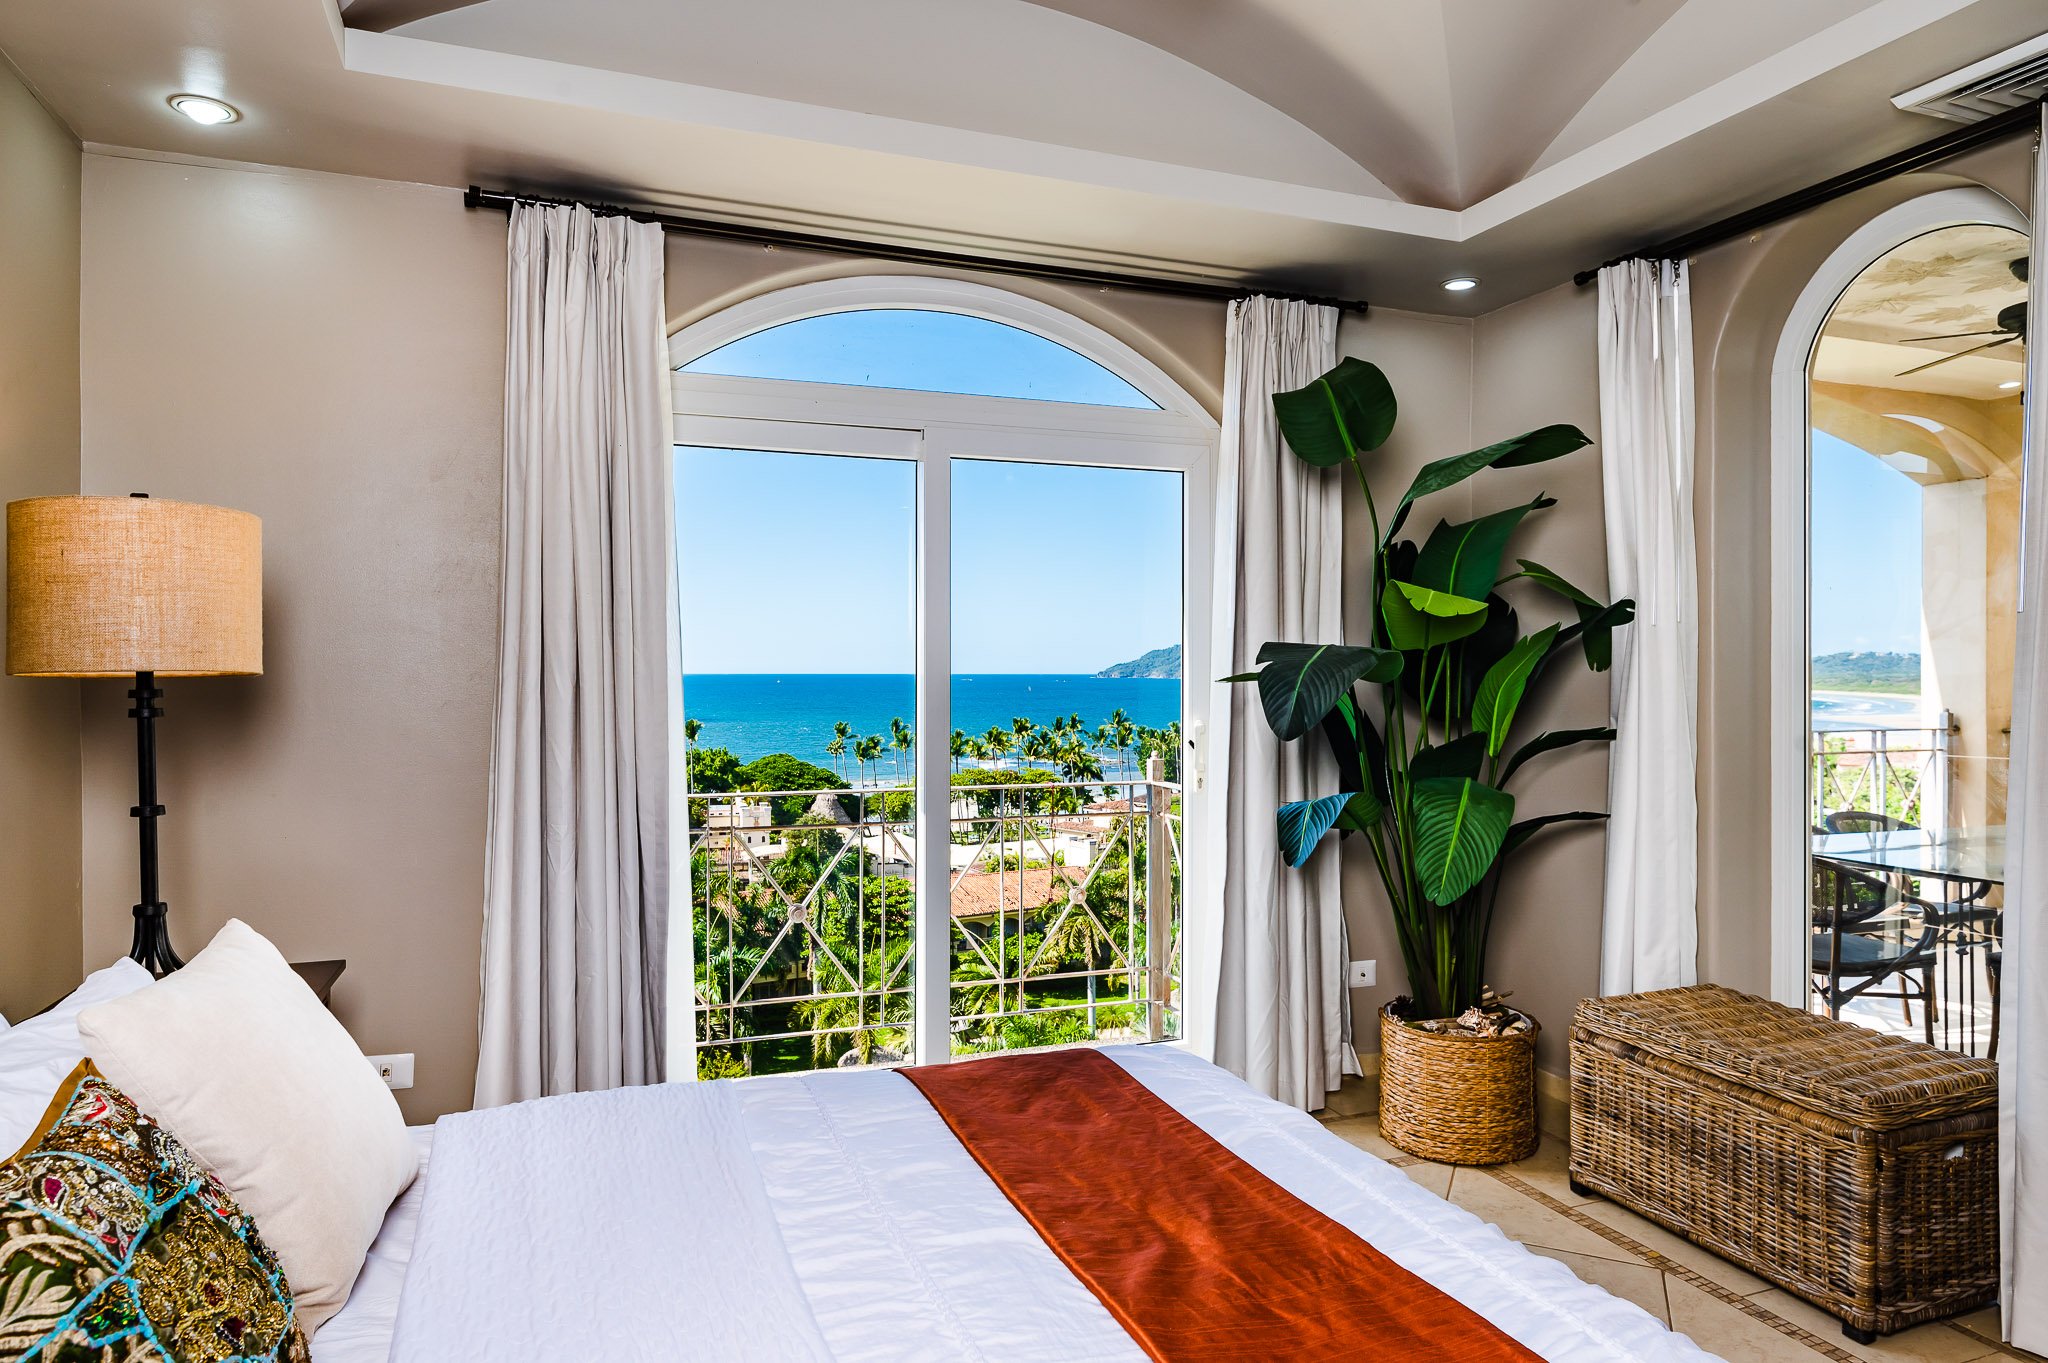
<point>1465,558</point>
<point>1300,682</point>
<point>1443,605</point>
<point>1417,617</point>
<point>1459,757</point>
<point>1500,691</point>
<point>1529,828</point>
<point>1459,826</point>
<point>1356,746</point>
<point>1598,629</point>
<point>1551,742</point>
<point>1360,813</point>
<point>1340,416</point>
<point>1533,447</point>
<point>1303,823</point>
<point>1240,677</point>
<point>1369,757</point>
<point>1537,573</point>
<point>1597,622</point>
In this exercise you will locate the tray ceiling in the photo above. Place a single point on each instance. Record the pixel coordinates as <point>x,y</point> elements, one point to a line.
<point>1368,147</point>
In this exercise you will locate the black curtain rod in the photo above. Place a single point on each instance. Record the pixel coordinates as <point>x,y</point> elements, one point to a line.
<point>910,255</point>
<point>1884,168</point>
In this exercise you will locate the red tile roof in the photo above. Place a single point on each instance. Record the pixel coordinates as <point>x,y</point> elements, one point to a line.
<point>981,894</point>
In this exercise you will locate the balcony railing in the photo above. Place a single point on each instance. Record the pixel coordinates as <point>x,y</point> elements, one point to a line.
<point>1063,920</point>
<point>1900,772</point>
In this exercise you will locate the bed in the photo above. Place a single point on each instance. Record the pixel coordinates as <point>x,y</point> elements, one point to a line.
<point>882,1239</point>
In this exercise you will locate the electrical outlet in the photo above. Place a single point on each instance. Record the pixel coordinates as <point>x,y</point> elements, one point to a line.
<point>1364,974</point>
<point>394,1070</point>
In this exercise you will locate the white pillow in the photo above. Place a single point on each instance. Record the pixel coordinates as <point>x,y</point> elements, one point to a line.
<point>237,1057</point>
<point>36,1053</point>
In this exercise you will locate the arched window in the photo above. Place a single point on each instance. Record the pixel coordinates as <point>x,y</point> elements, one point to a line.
<point>942,559</point>
<point>921,350</point>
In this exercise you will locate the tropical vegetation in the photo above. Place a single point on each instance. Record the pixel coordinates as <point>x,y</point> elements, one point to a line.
<point>804,956</point>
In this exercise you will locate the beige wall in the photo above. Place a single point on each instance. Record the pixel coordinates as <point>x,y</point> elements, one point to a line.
<point>1462,384</point>
<point>327,353</point>
<point>39,168</point>
<point>1742,292</point>
<point>1537,363</point>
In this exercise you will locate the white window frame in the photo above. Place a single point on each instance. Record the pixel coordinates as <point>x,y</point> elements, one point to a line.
<point>1791,474</point>
<point>931,430</point>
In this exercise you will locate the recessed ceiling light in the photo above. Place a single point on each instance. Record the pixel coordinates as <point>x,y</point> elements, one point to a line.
<point>204,110</point>
<point>2010,383</point>
<point>1460,284</point>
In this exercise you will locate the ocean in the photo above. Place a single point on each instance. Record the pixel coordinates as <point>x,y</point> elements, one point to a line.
<point>1866,710</point>
<point>754,715</point>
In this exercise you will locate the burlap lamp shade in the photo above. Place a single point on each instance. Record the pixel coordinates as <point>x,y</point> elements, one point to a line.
<point>140,588</point>
<point>113,586</point>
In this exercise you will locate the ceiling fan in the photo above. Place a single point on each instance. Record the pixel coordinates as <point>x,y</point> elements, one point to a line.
<point>2009,325</point>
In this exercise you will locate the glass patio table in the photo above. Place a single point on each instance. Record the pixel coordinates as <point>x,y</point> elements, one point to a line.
<point>1970,862</point>
<point>1950,854</point>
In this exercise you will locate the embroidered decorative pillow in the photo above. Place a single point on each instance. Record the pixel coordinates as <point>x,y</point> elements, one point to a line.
<point>116,1246</point>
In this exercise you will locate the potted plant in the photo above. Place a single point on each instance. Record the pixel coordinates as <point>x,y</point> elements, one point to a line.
<point>1426,757</point>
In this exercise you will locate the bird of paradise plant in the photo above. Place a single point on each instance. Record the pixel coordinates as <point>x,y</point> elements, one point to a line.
<point>1425,763</point>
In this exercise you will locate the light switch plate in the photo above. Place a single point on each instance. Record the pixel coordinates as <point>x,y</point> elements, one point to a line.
<point>1364,974</point>
<point>394,1070</point>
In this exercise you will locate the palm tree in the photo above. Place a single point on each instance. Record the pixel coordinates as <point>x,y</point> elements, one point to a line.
<point>836,749</point>
<point>900,739</point>
<point>1122,733</point>
<point>1077,937</point>
<point>957,747</point>
<point>1038,745</point>
<point>977,748</point>
<point>691,728</point>
<point>842,734</point>
<point>998,740</point>
<point>850,1022</point>
<point>868,750</point>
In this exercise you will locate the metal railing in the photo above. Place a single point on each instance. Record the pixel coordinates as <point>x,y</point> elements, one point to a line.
<point>1900,772</point>
<point>1064,920</point>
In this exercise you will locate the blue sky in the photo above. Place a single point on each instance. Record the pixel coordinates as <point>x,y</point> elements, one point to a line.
<point>931,352</point>
<point>804,563</point>
<point>1866,553</point>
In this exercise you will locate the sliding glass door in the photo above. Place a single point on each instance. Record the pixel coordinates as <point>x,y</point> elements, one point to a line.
<point>936,647</point>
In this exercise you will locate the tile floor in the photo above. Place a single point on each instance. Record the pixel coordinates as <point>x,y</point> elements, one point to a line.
<point>1726,1311</point>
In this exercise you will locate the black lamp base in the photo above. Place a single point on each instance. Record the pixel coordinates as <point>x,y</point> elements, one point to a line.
<point>152,944</point>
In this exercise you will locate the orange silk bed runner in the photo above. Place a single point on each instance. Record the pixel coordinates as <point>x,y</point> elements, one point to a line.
<point>1197,1254</point>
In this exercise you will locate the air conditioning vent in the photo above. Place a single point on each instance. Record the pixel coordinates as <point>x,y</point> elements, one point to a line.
<point>2014,77</point>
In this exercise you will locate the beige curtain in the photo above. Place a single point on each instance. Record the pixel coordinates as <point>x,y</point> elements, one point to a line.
<point>576,888</point>
<point>1267,974</point>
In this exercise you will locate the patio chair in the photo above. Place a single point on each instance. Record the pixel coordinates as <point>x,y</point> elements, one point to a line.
<point>1848,963</point>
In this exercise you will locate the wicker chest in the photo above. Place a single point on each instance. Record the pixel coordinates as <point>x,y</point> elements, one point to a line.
<point>1856,1170</point>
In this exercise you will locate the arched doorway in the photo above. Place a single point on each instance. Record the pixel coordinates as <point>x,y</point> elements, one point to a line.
<point>1899,538</point>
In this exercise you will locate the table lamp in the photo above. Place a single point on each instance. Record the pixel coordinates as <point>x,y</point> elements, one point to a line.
<point>142,587</point>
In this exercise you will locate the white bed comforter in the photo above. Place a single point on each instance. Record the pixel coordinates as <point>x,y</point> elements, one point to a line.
<point>833,1215</point>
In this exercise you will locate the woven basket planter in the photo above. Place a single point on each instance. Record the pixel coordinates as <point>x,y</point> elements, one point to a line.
<point>1457,1099</point>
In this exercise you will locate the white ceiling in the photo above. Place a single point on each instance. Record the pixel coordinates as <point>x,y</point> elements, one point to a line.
<point>1364,147</point>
